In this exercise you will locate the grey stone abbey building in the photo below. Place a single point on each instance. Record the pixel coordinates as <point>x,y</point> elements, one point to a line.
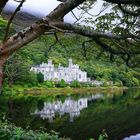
<point>69,74</point>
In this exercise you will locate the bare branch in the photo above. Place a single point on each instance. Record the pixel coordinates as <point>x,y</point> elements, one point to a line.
<point>125,55</point>
<point>106,47</point>
<point>58,41</point>
<point>60,30</point>
<point>100,11</point>
<point>85,47</point>
<point>11,19</point>
<point>74,15</point>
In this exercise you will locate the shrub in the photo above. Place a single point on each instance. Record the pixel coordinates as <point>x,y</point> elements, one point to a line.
<point>62,83</point>
<point>9,131</point>
<point>49,84</point>
<point>75,84</point>
<point>118,83</point>
<point>135,82</point>
<point>29,77</point>
<point>126,79</point>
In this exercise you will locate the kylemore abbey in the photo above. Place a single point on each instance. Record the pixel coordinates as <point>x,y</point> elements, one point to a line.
<point>69,74</point>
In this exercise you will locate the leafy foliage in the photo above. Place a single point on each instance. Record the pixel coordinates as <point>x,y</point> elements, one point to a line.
<point>62,83</point>
<point>9,131</point>
<point>75,84</point>
<point>2,27</point>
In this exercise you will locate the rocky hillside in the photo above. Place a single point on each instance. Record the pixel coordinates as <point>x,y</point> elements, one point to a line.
<point>21,20</point>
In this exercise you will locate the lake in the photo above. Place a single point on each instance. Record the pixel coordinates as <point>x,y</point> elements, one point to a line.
<point>79,116</point>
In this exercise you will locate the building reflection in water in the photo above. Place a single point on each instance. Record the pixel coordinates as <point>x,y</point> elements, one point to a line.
<point>69,106</point>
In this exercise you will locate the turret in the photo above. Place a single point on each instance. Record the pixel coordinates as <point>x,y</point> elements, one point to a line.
<point>70,63</point>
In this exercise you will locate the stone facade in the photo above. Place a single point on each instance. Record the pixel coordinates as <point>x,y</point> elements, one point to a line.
<point>69,74</point>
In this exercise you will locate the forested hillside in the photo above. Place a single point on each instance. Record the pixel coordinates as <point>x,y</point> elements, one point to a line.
<point>60,47</point>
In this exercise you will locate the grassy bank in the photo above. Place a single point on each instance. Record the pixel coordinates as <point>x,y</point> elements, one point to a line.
<point>18,89</point>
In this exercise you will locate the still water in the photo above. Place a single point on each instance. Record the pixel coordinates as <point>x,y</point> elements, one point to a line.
<point>80,116</point>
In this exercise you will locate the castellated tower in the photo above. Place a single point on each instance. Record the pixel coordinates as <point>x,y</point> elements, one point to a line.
<point>70,63</point>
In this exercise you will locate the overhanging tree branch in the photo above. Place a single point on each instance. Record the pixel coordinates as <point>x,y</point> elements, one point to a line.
<point>90,32</point>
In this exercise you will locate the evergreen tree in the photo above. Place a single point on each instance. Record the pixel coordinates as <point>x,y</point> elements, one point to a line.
<point>40,77</point>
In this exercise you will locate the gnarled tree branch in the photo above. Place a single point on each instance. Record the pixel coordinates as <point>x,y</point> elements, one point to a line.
<point>90,32</point>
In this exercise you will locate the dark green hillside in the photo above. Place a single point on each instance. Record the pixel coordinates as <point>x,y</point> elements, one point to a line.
<point>2,27</point>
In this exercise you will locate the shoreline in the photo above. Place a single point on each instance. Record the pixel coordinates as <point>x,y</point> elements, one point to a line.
<point>15,90</point>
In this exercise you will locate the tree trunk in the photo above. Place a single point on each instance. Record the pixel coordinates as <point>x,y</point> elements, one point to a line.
<point>2,61</point>
<point>1,77</point>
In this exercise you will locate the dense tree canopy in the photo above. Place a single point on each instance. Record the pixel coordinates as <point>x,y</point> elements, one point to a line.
<point>116,32</point>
